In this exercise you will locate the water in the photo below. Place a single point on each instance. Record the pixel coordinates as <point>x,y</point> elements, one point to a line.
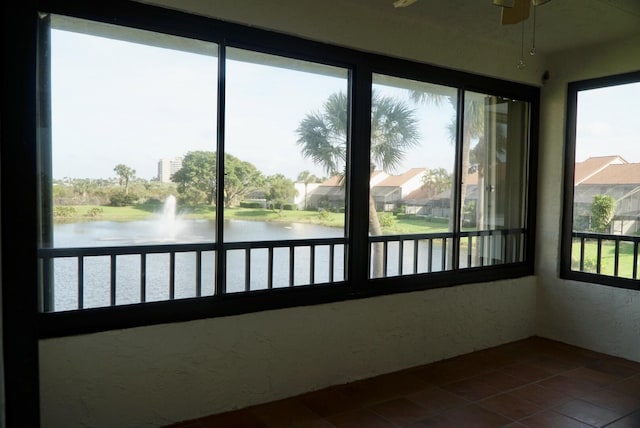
<point>169,228</point>
<point>96,272</point>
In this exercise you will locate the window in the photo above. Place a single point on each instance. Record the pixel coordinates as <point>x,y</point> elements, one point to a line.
<point>422,204</point>
<point>284,101</point>
<point>493,193</point>
<point>208,169</point>
<point>124,104</point>
<point>602,182</point>
<point>413,162</point>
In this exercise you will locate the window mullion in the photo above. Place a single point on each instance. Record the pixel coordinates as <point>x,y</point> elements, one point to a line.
<point>220,265</point>
<point>457,184</point>
<point>358,172</point>
<point>45,234</point>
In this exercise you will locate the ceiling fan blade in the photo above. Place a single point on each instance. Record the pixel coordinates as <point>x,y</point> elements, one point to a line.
<point>403,3</point>
<point>518,13</point>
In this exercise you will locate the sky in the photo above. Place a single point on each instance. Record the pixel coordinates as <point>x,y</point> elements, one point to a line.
<point>609,122</point>
<point>116,102</point>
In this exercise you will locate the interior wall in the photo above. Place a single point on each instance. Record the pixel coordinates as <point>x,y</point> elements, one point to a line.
<point>155,375</point>
<point>598,317</point>
<point>152,376</point>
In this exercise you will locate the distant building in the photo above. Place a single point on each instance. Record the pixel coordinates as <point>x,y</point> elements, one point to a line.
<point>167,167</point>
<point>612,176</point>
<point>388,191</point>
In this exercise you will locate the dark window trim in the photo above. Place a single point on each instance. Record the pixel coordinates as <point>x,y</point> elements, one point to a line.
<point>19,215</point>
<point>362,65</point>
<point>569,170</point>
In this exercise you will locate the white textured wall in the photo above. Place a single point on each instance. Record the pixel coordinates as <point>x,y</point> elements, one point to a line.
<point>149,376</point>
<point>597,317</point>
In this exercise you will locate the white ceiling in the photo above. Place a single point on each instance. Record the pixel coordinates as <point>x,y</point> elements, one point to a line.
<point>560,24</point>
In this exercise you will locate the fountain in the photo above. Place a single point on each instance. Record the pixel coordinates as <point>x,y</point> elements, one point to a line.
<point>168,222</point>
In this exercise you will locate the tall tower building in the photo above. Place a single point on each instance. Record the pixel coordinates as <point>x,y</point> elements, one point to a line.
<point>167,167</point>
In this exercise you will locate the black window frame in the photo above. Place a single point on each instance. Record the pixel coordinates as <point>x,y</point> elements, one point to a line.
<point>362,66</point>
<point>566,272</point>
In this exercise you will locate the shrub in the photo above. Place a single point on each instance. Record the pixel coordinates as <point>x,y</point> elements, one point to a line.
<point>64,211</point>
<point>153,202</point>
<point>603,209</point>
<point>249,204</point>
<point>590,264</point>
<point>289,207</point>
<point>95,212</point>
<point>432,219</point>
<point>386,219</point>
<point>121,199</point>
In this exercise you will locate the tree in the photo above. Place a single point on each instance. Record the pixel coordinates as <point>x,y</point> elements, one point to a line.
<point>603,209</point>
<point>125,174</point>
<point>322,136</point>
<point>306,177</point>
<point>240,179</point>
<point>279,190</point>
<point>436,181</point>
<point>473,127</point>
<point>197,181</point>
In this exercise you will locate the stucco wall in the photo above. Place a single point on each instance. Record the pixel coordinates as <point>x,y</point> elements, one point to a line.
<point>146,377</point>
<point>597,317</point>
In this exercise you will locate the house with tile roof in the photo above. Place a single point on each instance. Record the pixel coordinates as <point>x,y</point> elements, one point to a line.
<point>612,176</point>
<point>422,202</point>
<point>388,191</point>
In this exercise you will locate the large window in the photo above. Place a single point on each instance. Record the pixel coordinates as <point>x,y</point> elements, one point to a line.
<point>209,169</point>
<point>602,182</point>
<point>272,118</point>
<point>126,107</point>
<point>427,212</point>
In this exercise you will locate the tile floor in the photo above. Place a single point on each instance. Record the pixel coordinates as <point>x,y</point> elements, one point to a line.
<point>530,383</point>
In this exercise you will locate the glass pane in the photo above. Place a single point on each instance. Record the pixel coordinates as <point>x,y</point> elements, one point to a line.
<point>606,198</point>
<point>494,178</point>
<point>285,148</point>
<point>127,107</point>
<point>413,130</point>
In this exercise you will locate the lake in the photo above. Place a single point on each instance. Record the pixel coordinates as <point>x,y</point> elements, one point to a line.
<point>149,232</point>
<point>96,271</point>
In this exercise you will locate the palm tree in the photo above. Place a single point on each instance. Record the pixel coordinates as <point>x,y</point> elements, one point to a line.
<point>125,174</point>
<point>322,136</point>
<point>473,127</point>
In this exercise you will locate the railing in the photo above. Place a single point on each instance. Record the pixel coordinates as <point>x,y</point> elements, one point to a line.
<point>409,254</point>
<point>184,269</point>
<point>605,254</point>
<point>78,278</point>
<point>412,254</point>
<point>491,247</point>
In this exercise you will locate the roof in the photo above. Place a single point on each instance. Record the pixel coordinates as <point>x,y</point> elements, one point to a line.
<point>336,180</point>
<point>591,166</point>
<point>627,173</point>
<point>399,180</point>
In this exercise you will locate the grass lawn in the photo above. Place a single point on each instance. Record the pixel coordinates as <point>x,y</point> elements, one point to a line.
<point>607,261</point>
<point>401,224</point>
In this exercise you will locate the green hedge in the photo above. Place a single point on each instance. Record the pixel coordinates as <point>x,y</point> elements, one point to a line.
<point>248,204</point>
